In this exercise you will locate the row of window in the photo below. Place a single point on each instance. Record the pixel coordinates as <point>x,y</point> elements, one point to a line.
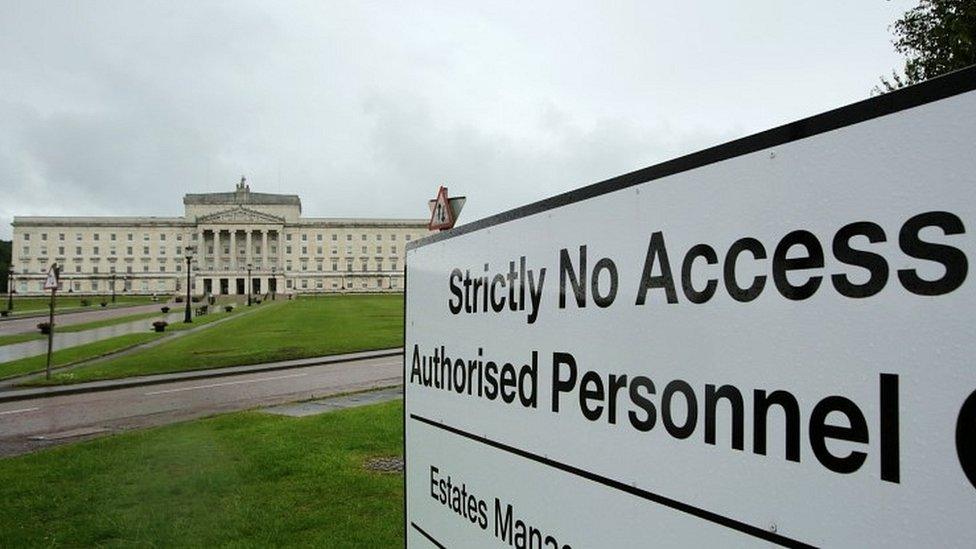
<point>179,237</point>
<point>161,250</point>
<point>96,250</point>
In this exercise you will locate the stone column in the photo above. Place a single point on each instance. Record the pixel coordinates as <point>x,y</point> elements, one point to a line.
<point>264,250</point>
<point>248,253</point>
<point>233,249</point>
<point>216,245</point>
<point>281,251</point>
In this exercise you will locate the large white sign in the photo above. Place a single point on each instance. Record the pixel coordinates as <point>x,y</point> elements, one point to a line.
<point>769,341</point>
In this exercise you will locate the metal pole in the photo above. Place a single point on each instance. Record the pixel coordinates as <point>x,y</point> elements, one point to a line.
<point>113,288</point>
<point>186,315</point>
<point>50,332</point>
<point>249,285</point>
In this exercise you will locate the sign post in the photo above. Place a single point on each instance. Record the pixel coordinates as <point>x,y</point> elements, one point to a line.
<point>766,342</point>
<point>51,283</point>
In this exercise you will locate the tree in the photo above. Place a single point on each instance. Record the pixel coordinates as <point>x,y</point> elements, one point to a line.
<point>936,37</point>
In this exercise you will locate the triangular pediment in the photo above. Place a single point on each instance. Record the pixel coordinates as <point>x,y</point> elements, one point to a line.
<point>240,214</point>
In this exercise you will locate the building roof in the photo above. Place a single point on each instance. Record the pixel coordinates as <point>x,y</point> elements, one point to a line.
<point>243,198</point>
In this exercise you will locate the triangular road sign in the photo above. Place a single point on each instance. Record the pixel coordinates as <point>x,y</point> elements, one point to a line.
<point>441,215</point>
<point>52,278</point>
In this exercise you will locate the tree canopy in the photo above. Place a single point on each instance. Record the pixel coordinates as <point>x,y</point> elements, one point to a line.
<point>936,37</point>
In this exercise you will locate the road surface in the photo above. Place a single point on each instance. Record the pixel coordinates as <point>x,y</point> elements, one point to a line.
<point>27,425</point>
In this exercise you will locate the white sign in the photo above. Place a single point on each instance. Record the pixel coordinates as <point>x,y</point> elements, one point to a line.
<point>51,282</point>
<point>770,341</point>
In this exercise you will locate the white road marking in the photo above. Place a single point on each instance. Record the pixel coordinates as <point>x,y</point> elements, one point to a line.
<point>22,410</point>
<point>211,385</point>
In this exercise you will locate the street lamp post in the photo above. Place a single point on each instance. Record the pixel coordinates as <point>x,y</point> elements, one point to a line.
<point>249,285</point>
<point>113,288</point>
<point>10,289</point>
<point>188,253</point>
<point>274,285</point>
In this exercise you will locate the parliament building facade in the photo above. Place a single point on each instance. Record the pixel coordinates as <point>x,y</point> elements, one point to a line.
<point>228,234</point>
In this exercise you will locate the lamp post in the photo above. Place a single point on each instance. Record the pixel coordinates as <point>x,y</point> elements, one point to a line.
<point>113,288</point>
<point>188,254</point>
<point>248,284</point>
<point>274,286</point>
<point>10,289</point>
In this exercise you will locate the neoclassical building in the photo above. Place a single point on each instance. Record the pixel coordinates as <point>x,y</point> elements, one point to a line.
<point>228,234</point>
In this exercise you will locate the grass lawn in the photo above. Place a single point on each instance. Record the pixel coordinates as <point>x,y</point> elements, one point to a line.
<point>74,354</point>
<point>279,331</point>
<point>37,304</point>
<point>244,479</point>
<point>19,338</point>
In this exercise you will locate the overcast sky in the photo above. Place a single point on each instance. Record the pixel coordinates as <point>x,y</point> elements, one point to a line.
<point>364,108</point>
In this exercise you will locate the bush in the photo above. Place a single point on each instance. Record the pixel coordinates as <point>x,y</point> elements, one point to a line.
<point>164,309</point>
<point>85,302</point>
<point>44,327</point>
<point>160,325</point>
<point>179,299</point>
<point>228,308</point>
<point>195,299</point>
<point>4,313</point>
<point>104,303</point>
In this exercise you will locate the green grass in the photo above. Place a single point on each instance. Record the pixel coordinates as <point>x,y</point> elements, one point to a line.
<point>19,338</point>
<point>37,304</point>
<point>243,480</point>
<point>280,331</point>
<point>74,354</point>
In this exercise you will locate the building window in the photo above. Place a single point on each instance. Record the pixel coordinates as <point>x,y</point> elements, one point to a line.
<point>145,237</point>
<point>304,283</point>
<point>112,237</point>
<point>335,265</point>
<point>77,250</point>
<point>94,250</point>
<point>349,266</point>
<point>44,237</point>
<point>145,268</point>
<point>318,283</point>
<point>335,284</point>
<point>162,237</point>
<point>364,237</point>
<point>406,237</point>
<point>318,250</point>
<point>335,251</point>
<point>162,268</point>
<point>26,237</point>
<point>112,269</point>
<point>78,236</point>
<point>95,237</point>
<point>304,250</point>
<point>393,265</point>
<point>318,266</point>
<point>128,250</point>
<point>393,249</point>
<point>363,267</point>
<point>318,237</point>
<point>95,269</point>
<point>111,250</point>
<point>287,265</point>
<point>304,237</point>
<point>288,237</point>
<point>26,250</point>
<point>379,237</point>
<point>162,250</point>
<point>179,237</point>
<point>393,237</point>
<point>60,250</point>
<point>288,283</point>
<point>348,237</point>
<point>364,249</point>
<point>274,249</point>
<point>288,249</point>
<point>128,268</point>
<point>129,237</point>
<point>379,265</point>
<point>379,249</point>
<point>304,266</point>
<point>77,268</point>
<point>179,267</point>
<point>335,237</point>
<point>61,236</point>
<point>145,250</point>
<point>179,250</point>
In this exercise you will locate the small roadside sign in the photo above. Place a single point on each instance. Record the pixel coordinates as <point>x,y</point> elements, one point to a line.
<point>444,210</point>
<point>52,278</point>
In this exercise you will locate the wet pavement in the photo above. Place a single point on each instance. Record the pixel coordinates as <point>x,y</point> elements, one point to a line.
<point>70,339</point>
<point>23,325</point>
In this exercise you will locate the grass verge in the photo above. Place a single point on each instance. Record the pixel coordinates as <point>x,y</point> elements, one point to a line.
<point>37,304</point>
<point>282,331</point>
<point>244,479</point>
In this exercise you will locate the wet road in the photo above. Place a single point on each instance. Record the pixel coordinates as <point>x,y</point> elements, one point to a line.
<point>91,414</point>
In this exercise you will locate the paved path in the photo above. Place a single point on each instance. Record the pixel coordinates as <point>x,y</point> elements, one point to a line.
<point>21,325</point>
<point>26,425</point>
